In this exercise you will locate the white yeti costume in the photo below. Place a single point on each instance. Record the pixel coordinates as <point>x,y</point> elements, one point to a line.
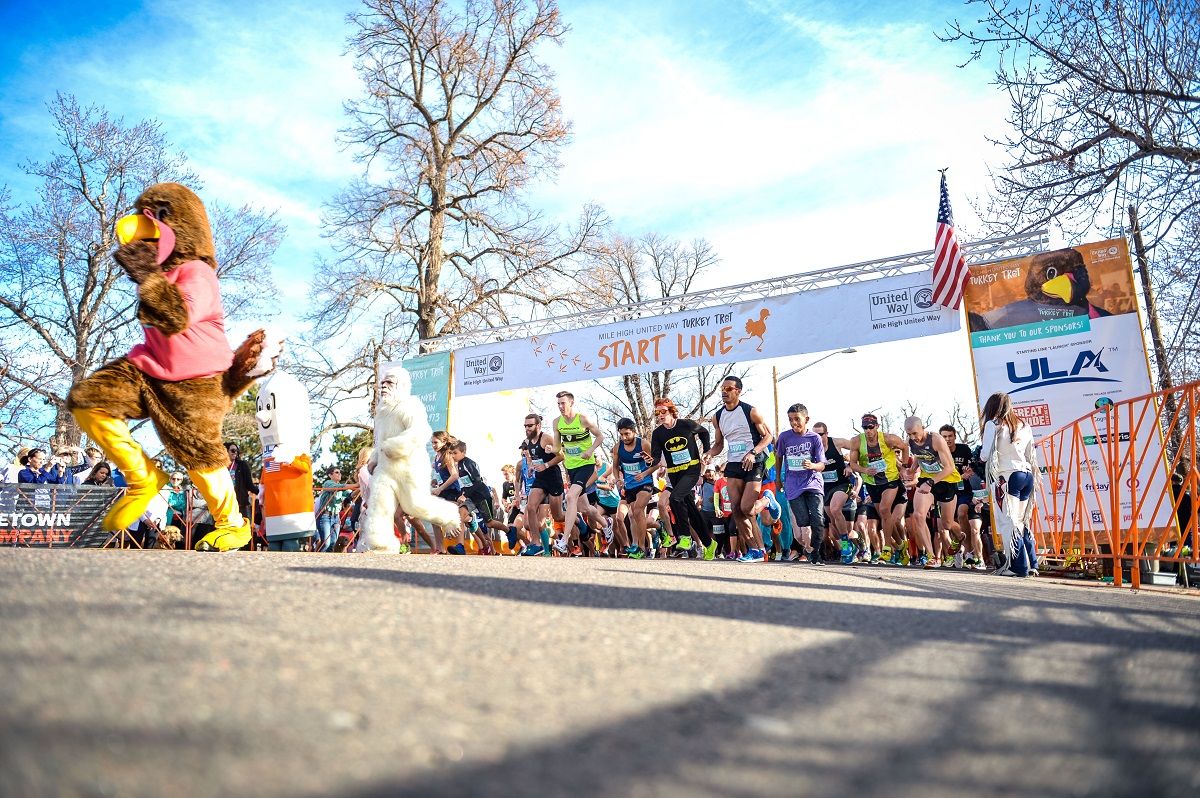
<point>400,471</point>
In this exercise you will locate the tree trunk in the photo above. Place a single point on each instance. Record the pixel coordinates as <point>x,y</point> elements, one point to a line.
<point>1160,351</point>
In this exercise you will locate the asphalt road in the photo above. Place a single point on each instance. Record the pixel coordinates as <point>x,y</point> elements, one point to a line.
<point>164,673</point>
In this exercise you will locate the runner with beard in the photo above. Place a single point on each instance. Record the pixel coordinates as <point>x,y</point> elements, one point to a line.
<point>674,442</point>
<point>547,486</point>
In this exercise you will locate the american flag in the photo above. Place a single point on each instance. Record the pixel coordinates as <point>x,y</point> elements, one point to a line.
<point>949,268</point>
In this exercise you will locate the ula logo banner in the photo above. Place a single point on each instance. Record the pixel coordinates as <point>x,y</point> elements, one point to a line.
<point>1038,372</point>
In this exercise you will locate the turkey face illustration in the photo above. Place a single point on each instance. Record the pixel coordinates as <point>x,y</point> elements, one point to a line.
<point>1058,277</point>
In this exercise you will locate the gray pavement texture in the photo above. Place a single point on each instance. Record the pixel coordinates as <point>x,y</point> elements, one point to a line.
<point>170,673</point>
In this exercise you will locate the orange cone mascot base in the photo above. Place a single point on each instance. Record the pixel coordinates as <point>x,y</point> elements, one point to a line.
<point>183,376</point>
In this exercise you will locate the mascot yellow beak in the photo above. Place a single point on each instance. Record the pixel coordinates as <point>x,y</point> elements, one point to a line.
<point>137,227</point>
<point>1062,287</point>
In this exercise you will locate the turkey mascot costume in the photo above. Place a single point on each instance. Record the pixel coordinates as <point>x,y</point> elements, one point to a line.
<point>183,376</point>
<point>285,427</point>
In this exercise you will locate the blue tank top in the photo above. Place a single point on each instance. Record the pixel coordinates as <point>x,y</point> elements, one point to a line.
<point>451,491</point>
<point>632,464</point>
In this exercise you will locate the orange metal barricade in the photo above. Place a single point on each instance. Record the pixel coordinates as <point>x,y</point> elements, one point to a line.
<point>1133,506</point>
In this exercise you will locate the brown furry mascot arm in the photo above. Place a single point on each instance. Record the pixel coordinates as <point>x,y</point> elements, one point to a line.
<point>161,304</point>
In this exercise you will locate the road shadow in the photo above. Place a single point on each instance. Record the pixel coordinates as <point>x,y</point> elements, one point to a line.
<point>780,730</point>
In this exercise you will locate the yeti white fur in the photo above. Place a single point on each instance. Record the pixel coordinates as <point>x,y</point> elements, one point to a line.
<point>399,468</point>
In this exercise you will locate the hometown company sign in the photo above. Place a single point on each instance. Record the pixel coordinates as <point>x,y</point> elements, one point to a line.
<point>855,314</point>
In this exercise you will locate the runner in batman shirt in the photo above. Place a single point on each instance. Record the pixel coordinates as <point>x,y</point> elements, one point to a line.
<point>742,430</point>
<point>674,443</point>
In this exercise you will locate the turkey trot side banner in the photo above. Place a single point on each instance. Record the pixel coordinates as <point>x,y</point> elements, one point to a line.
<point>1060,333</point>
<point>854,314</point>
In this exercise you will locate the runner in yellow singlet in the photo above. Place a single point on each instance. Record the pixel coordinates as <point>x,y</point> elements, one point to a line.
<point>577,438</point>
<point>871,455</point>
<point>937,480</point>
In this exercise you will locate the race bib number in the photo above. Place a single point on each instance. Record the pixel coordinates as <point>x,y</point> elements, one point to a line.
<point>829,476</point>
<point>879,465</point>
<point>738,450</point>
<point>574,451</point>
<point>931,466</point>
<point>797,462</point>
<point>981,494</point>
<point>682,457</point>
<point>537,462</point>
<point>631,469</point>
<point>464,482</point>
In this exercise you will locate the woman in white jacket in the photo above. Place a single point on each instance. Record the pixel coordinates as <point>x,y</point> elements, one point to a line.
<point>1012,472</point>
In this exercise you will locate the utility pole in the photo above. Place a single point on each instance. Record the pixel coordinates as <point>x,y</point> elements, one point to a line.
<point>1165,383</point>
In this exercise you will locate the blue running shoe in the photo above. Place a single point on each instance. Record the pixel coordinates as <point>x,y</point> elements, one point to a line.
<point>532,551</point>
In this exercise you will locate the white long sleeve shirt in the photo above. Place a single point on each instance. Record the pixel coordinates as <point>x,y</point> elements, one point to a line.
<point>1006,451</point>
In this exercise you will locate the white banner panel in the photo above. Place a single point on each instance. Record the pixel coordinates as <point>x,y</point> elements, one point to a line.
<point>1060,333</point>
<point>854,314</point>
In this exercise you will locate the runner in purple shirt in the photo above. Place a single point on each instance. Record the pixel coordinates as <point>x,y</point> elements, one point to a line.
<point>802,459</point>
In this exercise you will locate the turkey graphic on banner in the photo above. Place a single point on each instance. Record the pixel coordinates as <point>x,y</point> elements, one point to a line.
<point>1060,333</point>
<point>854,314</point>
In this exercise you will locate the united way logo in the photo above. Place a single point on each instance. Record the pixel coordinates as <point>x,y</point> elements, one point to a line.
<point>496,364</point>
<point>923,298</point>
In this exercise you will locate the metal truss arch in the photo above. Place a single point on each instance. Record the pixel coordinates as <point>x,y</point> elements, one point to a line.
<point>978,253</point>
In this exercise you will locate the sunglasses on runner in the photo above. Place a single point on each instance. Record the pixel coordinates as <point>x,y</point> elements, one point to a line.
<point>870,426</point>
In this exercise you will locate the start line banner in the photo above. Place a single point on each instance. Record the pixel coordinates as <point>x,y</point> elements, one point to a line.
<point>854,314</point>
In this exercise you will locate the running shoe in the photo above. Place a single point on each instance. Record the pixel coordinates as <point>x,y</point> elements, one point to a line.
<point>684,543</point>
<point>1004,570</point>
<point>636,554</point>
<point>753,555</point>
<point>883,554</point>
<point>814,558</point>
<point>562,546</point>
<point>959,560</point>
<point>532,551</point>
<point>921,562</point>
<point>934,563</point>
<point>1032,572</point>
<point>792,556</point>
<point>457,548</point>
<point>710,551</point>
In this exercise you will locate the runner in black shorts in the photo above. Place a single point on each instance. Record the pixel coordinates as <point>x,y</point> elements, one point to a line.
<point>547,487</point>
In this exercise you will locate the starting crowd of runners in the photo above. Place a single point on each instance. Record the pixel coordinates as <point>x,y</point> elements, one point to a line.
<point>876,497</point>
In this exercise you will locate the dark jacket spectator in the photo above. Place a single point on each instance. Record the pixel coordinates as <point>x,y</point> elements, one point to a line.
<point>35,473</point>
<point>243,481</point>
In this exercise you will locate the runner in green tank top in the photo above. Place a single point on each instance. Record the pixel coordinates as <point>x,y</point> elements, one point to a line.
<point>577,438</point>
<point>871,454</point>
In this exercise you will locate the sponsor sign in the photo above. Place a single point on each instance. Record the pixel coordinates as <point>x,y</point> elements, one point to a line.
<point>1059,332</point>
<point>854,314</point>
<point>430,375</point>
<point>49,516</point>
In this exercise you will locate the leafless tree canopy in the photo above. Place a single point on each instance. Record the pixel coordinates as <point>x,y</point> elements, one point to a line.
<point>457,116</point>
<point>65,306</point>
<point>1105,108</point>
<point>630,271</point>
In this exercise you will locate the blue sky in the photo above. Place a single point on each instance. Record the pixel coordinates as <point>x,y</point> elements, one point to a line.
<point>791,135</point>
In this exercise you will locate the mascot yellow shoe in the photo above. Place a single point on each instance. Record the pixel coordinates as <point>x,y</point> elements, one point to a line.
<point>142,475</point>
<point>232,530</point>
